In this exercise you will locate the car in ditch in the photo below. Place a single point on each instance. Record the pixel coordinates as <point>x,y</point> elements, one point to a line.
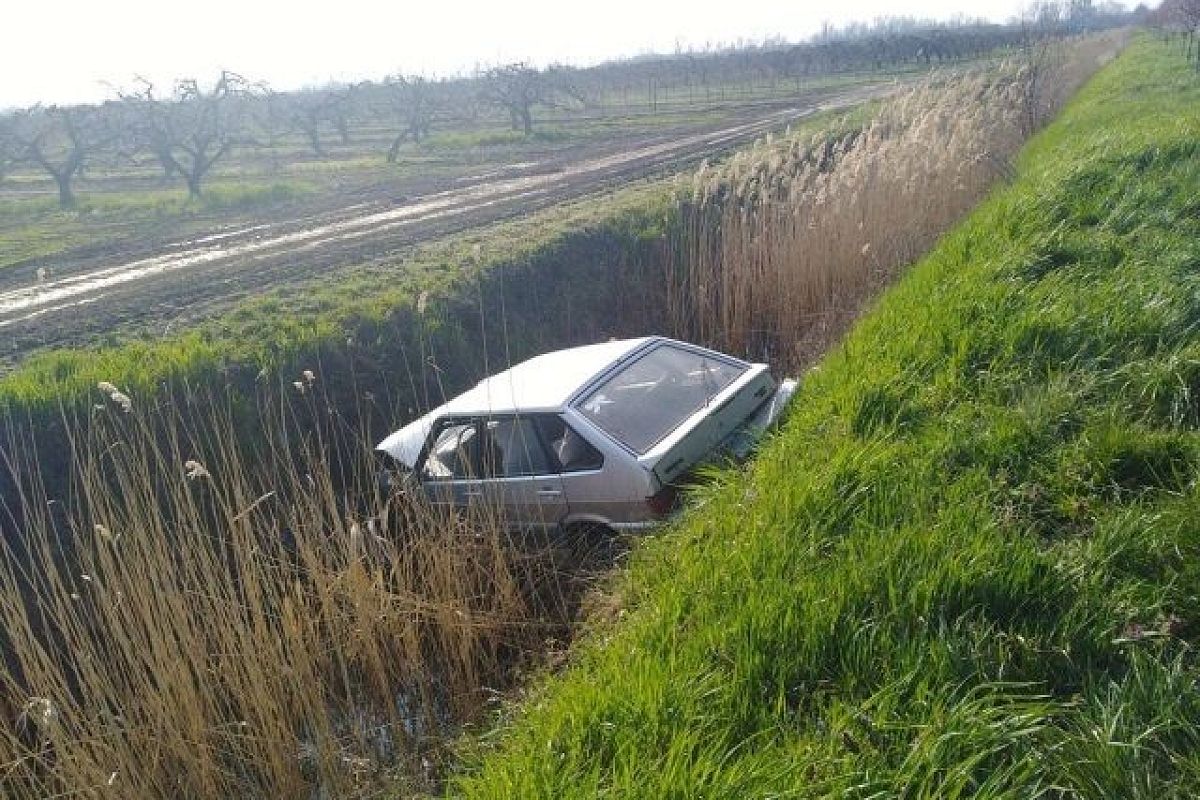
<point>601,435</point>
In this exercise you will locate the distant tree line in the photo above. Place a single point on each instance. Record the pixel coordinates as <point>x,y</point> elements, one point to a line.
<point>190,127</point>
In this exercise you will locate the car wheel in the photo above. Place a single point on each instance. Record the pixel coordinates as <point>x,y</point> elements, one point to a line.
<point>592,540</point>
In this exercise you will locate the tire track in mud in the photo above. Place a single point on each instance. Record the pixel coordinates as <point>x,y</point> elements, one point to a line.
<point>82,301</point>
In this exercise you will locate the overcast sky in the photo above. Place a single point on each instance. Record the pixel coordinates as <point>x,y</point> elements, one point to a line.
<point>67,51</point>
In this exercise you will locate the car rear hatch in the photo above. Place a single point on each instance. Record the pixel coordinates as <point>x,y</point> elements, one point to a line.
<point>709,429</point>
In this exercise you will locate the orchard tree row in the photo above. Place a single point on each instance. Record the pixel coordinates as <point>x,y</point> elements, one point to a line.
<point>188,128</point>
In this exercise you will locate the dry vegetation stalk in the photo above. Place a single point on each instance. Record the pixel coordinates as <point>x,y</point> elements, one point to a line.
<point>186,624</point>
<point>780,246</point>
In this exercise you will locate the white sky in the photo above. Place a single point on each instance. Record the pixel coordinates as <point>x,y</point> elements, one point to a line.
<point>67,50</point>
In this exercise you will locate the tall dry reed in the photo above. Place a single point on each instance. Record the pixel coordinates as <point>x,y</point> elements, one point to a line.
<point>208,614</point>
<point>779,247</point>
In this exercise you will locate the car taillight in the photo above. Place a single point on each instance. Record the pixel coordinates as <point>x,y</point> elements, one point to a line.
<point>664,501</point>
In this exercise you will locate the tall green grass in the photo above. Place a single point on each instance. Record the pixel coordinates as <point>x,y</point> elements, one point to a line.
<point>968,564</point>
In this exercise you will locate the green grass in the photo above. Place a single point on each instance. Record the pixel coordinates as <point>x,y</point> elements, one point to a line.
<point>968,565</point>
<point>37,228</point>
<point>165,202</point>
<point>462,140</point>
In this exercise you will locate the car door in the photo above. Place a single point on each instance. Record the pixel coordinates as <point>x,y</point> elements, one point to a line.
<point>450,468</point>
<point>519,472</point>
<point>602,484</point>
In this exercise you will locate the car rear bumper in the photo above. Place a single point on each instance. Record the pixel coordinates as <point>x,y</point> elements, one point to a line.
<point>742,441</point>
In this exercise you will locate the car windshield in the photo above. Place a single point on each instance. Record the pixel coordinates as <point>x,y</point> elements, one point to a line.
<point>648,399</point>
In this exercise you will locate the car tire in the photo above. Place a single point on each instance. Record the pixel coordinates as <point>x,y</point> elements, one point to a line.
<point>592,540</point>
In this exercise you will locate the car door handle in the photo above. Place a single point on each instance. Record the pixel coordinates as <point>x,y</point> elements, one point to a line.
<point>549,493</point>
<point>473,494</point>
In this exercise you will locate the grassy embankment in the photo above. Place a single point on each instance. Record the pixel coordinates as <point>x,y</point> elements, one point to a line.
<point>968,564</point>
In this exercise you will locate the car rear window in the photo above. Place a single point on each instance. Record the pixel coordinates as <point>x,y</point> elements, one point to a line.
<point>652,396</point>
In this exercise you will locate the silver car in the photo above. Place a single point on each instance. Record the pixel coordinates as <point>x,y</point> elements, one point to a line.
<point>600,435</point>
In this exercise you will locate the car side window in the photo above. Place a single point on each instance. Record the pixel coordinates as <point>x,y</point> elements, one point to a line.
<point>515,449</point>
<point>570,450</point>
<point>454,454</point>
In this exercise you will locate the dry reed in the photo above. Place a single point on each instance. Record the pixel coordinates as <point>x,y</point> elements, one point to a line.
<point>184,624</point>
<point>780,246</point>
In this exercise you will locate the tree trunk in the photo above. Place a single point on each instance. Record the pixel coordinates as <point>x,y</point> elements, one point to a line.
<point>66,197</point>
<point>527,120</point>
<point>167,163</point>
<point>193,183</point>
<point>314,141</point>
<point>394,151</point>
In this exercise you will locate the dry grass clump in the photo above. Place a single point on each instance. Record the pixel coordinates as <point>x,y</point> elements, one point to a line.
<point>185,624</point>
<point>780,246</point>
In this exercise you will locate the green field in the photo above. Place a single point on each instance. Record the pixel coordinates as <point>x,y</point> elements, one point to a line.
<point>967,566</point>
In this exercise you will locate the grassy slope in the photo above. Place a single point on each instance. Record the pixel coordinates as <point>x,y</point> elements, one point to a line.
<point>968,565</point>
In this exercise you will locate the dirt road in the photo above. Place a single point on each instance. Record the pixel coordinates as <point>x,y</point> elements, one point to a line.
<point>73,299</point>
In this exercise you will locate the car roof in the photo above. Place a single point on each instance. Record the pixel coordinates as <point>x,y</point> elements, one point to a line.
<point>544,383</point>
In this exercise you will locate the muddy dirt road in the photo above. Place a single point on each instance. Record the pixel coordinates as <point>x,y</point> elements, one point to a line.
<point>73,299</point>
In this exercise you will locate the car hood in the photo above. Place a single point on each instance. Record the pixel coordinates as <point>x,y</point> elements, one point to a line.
<point>405,444</point>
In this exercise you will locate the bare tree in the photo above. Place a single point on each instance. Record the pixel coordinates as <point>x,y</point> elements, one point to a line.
<point>309,113</point>
<point>412,102</point>
<point>272,119</point>
<point>518,88</point>
<point>194,129</point>
<point>1184,16</point>
<point>315,111</point>
<point>1080,14</point>
<point>207,124</point>
<point>148,125</point>
<point>341,109</point>
<point>59,140</point>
